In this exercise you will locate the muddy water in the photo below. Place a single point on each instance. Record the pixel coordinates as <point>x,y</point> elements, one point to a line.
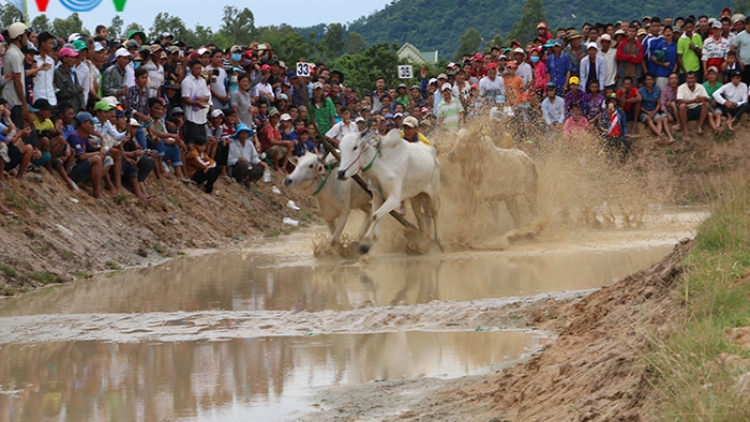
<point>256,379</point>
<point>254,334</point>
<point>256,281</point>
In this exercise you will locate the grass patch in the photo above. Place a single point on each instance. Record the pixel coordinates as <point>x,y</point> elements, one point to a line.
<point>83,275</point>
<point>174,201</point>
<point>111,265</point>
<point>716,290</point>
<point>212,245</point>
<point>8,270</point>
<point>120,198</point>
<point>158,248</point>
<point>44,277</point>
<point>273,233</point>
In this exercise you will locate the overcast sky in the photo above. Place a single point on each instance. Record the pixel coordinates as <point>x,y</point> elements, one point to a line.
<point>209,13</point>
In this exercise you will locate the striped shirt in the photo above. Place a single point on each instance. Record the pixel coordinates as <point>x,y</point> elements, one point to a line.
<point>449,114</point>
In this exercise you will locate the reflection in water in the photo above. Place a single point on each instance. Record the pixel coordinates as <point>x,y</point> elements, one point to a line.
<point>249,282</point>
<point>256,379</point>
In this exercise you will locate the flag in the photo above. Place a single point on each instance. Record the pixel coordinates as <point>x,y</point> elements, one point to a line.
<point>18,4</point>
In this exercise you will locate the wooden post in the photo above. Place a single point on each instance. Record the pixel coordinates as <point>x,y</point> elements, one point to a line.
<point>329,148</point>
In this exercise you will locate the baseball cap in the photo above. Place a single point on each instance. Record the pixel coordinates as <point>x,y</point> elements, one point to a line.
<point>716,25</point>
<point>446,86</point>
<point>411,121</point>
<point>67,52</point>
<point>592,45</point>
<point>677,29</point>
<point>442,76</point>
<point>98,47</point>
<point>641,32</point>
<point>551,85</point>
<point>286,117</point>
<point>413,87</point>
<point>169,84</point>
<point>359,119</point>
<point>433,81</point>
<point>177,110</point>
<point>283,96</point>
<point>512,65</point>
<point>541,25</point>
<point>492,66</point>
<point>558,42</point>
<point>273,113</point>
<point>317,85</point>
<point>605,37</point>
<point>397,115</point>
<point>388,116</point>
<point>549,43</point>
<point>734,73</point>
<point>216,113</point>
<point>74,36</point>
<point>133,122</point>
<point>84,116</point>
<point>122,52</point>
<point>712,69</point>
<point>621,32</point>
<point>478,57</point>
<point>111,100</point>
<point>291,75</point>
<point>265,67</point>
<point>80,45</point>
<point>102,106</point>
<point>42,104</point>
<point>574,80</point>
<point>130,44</point>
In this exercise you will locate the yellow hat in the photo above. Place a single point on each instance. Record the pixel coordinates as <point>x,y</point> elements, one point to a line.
<point>574,80</point>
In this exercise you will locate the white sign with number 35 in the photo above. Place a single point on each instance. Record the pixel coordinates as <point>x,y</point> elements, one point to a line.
<point>405,72</point>
<point>303,69</point>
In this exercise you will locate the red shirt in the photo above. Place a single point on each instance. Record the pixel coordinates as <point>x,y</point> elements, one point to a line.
<point>632,94</point>
<point>266,135</point>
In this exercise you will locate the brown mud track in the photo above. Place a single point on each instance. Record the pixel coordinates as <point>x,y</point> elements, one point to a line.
<point>594,371</point>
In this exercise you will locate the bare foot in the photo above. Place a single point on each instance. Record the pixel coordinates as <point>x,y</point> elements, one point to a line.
<point>676,128</point>
<point>100,196</point>
<point>730,126</point>
<point>5,211</point>
<point>700,131</point>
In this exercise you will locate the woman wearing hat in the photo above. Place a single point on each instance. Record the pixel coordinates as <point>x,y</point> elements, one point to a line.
<point>243,162</point>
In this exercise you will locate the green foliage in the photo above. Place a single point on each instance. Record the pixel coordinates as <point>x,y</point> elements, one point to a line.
<point>417,22</point>
<point>497,41</point>
<point>115,27</point>
<point>355,44</point>
<point>163,22</point>
<point>41,23</point>
<point>468,44</point>
<point>524,30</point>
<point>9,14</point>
<point>334,40</point>
<point>134,26</point>
<point>741,6</point>
<point>67,26</point>
<point>361,70</point>
<point>238,26</point>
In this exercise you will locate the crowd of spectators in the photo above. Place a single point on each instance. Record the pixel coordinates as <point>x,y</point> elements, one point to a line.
<point>116,111</point>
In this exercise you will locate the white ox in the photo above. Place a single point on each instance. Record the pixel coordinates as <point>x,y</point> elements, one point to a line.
<point>336,198</point>
<point>396,170</point>
<point>507,174</point>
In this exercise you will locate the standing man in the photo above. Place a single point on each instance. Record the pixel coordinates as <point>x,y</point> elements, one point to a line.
<point>593,67</point>
<point>689,51</point>
<point>450,109</point>
<point>44,82</point>
<point>14,90</point>
<point>66,80</point>
<point>741,45</point>
<point>196,97</point>
<point>113,79</point>
<point>559,68</point>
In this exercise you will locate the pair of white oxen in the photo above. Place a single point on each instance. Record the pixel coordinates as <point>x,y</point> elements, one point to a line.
<point>397,170</point>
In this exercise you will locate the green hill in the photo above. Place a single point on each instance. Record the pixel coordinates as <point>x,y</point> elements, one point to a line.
<point>438,24</point>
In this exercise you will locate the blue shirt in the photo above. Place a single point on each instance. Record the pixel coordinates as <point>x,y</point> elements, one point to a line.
<point>80,146</point>
<point>558,68</point>
<point>649,99</point>
<point>67,130</point>
<point>670,55</point>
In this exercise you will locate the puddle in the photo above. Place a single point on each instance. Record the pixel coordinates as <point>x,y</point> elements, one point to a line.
<point>253,281</point>
<point>254,379</point>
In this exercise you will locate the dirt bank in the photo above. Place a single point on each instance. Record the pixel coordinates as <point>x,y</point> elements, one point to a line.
<point>58,235</point>
<point>593,372</point>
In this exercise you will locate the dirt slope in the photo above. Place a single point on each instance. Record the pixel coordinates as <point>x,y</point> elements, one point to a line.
<point>57,234</point>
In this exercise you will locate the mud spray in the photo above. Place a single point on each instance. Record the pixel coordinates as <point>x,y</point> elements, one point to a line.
<point>579,187</point>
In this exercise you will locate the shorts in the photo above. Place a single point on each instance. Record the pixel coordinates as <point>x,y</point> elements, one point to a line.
<point>81,171</point>
<point>694,113</point>
<point>643,117</point>
<point>46,157</point>
<point>270,152</point>
<point>629,115</point>
<point>140,170</point>
<point>15,155</point>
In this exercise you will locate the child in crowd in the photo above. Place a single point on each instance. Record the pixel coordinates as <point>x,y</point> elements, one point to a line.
<point>200,167</point>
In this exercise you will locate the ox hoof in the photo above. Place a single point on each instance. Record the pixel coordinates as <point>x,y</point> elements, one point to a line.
<point>363,249</point>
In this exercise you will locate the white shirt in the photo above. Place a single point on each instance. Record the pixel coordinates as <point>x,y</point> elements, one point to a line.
<point>155,77</point>
<point>340,129</point>
<point>112,137</point>
<point>84,75</point>
<point>610,63</point>
<point>525,72</point>
<point>684,93</point>
<point>129,75</point>
<point>713,49</point>
<point>193,89</point>
<point>729,92</point>
<point>44,86</point>
<point>218,86</point>
<point>486,84</point>
<point>261,87</point>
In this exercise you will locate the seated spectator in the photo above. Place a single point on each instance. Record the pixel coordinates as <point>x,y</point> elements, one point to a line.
<point>110,138</point>
<point>50,137</point>
<point>668,100</point>
<point>630,101</point>
<point>214,132</point>
<point>304,139</point>
<point>276,149</point>
<point>576,96</point>
<point>615,124</point>
<point>712,85</point>
<point>289,133</point>
<point>576,125</point>
<point>243,162</point>
<point>553,108</point>
<point>692,102</point>
<point>732,99</point>
<point>19,155</point>
<point>89,159</point>
<point>651,113</point>
<point>730,64</point>
<point>200,167</point>
<point>137,163</point>
<point>168,147</point>
<point>597,103</point>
